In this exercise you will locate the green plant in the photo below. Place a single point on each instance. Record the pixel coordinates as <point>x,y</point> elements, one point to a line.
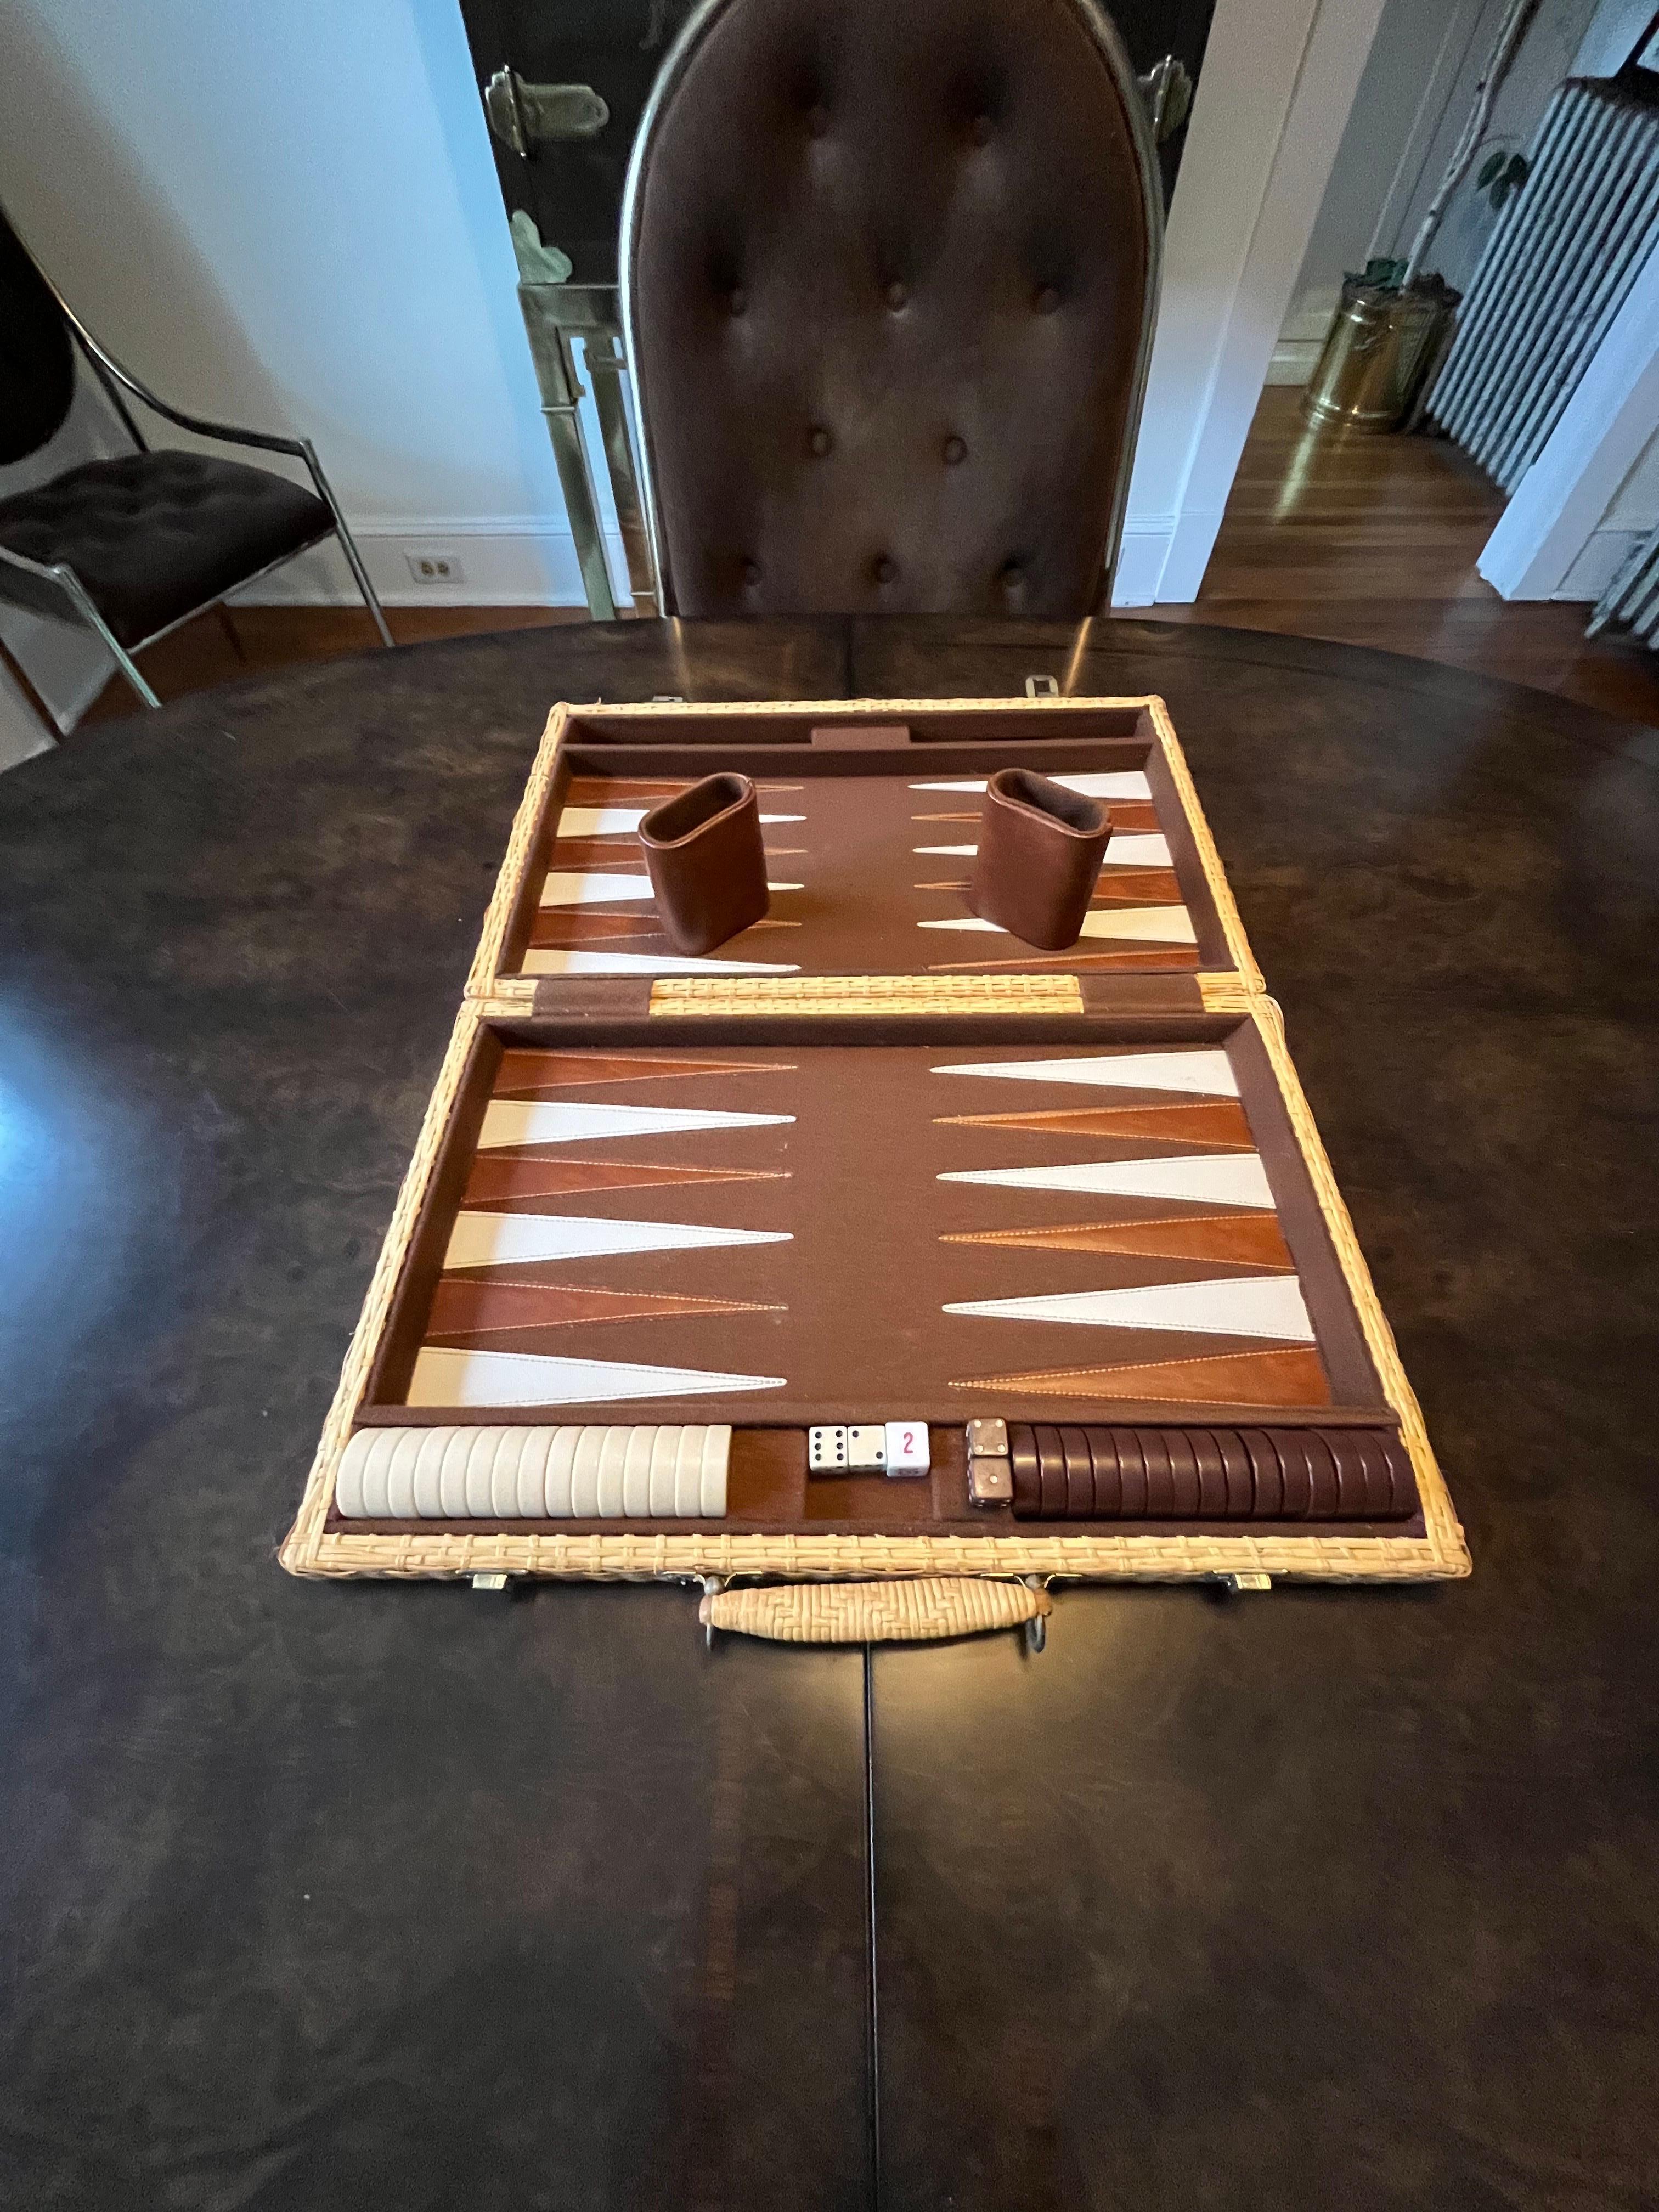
<point>1500,175</point>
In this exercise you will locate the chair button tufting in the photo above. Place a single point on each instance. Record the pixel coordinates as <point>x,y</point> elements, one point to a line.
<point>751,572</point>
<point>896,295</point>
<point>955,450</point>
<point>736,300</point>
<point>818,440</point>
<point>1047,300</point>
<point>1011,575</point>
<point>818,120</point>
<point>885,569</point>
<point>980,131</point>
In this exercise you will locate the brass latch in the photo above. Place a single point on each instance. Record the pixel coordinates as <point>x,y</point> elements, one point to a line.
<point>524,116</point>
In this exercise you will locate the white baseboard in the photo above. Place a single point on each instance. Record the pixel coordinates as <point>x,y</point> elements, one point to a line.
<point>1191,544</point>
<point>1294,361</point>
<point>1140,560</point>
<point>1164,557</point>
<point>504,561</point>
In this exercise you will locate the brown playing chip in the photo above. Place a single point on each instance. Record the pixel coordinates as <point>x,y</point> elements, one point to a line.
<point>1237,1481</point>
<point>1173,1493</point>
<point>1080,1475</point>
<point>1273,1503</point>
<point>1021,1452</point>
<point>1051,1472</point>
<point>1327,1496</point>
<point>1337,1496</point>
<point>1105,1451</point>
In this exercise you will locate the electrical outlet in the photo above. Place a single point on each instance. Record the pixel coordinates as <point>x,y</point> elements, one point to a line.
<point>430,565</point>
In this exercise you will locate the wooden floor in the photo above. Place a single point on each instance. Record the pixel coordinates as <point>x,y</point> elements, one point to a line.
<point>1369,540</point>
<point>1373,540</point>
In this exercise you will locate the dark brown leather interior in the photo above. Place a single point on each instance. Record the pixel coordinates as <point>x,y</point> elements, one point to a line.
<point>888,276</point>
<point>152,536</point>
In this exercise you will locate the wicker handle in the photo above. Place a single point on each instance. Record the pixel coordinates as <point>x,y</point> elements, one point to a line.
<point>919,1612</point>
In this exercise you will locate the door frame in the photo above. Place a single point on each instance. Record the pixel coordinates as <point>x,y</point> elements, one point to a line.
<point>1278,82</point>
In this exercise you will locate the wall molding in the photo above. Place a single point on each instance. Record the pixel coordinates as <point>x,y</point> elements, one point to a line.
<point>506,561</point>
<point>1294,361</point>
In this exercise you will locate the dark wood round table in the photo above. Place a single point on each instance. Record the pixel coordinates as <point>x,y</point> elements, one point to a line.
<point>381,1896</point>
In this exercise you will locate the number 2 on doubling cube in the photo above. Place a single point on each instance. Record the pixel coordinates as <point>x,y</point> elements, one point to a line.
<point>906,1447</point>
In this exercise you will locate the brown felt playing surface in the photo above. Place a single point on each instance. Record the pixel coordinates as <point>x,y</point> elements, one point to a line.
<point>774,1236</point>
<point>869,873</point>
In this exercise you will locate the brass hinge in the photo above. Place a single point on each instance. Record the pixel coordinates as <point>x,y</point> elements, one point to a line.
<point>524,116</point>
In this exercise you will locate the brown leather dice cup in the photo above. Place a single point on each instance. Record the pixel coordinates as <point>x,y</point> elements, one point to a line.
<point>706,864</point>
<point>1039,850</point>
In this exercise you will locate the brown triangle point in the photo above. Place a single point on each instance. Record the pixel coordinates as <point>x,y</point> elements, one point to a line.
<point>1138,887</point>
<point>527,1073</point>
<point>465,1310</point>
<point>618,791</point>
<point>1241,1239</point>
<point>508,1181</point>
<point>1210,1124</point>
<point>1295,1377</point>
<point>563,928</point>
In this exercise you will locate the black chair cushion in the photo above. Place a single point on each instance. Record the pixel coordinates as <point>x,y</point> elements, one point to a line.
<point>887,280</point>
<point>153,535</point>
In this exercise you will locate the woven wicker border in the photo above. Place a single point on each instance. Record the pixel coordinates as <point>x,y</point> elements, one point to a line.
<point>1440,1554</point>
<point>842,996</point>
<point>485,979</point>
<point>1232,926</point>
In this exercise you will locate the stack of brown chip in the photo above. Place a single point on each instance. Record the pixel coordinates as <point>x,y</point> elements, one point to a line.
<point>1210,1474</point>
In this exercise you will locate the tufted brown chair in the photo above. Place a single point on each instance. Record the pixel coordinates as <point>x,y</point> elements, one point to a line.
<point>890,269</point>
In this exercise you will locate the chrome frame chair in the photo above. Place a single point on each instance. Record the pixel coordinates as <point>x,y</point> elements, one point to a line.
<point>41,587</point>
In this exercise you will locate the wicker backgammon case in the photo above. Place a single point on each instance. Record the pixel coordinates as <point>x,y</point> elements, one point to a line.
<point>876,1244</point>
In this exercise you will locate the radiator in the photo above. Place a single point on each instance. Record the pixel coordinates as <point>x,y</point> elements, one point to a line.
<point>1632,600</point>
<point>1555,271</point>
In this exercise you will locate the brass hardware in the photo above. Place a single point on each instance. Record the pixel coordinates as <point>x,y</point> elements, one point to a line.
<point>524,116</point>
<point>1378,353</point>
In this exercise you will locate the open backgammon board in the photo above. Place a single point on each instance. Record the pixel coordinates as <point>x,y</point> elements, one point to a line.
<point>876,1242</point>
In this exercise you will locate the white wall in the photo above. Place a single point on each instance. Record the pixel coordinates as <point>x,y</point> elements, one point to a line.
<point>287,215</point>
<point>1630,516</point>
<point>1417,91</point>
<point>1611,38</point>
<point>1418,50</point>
